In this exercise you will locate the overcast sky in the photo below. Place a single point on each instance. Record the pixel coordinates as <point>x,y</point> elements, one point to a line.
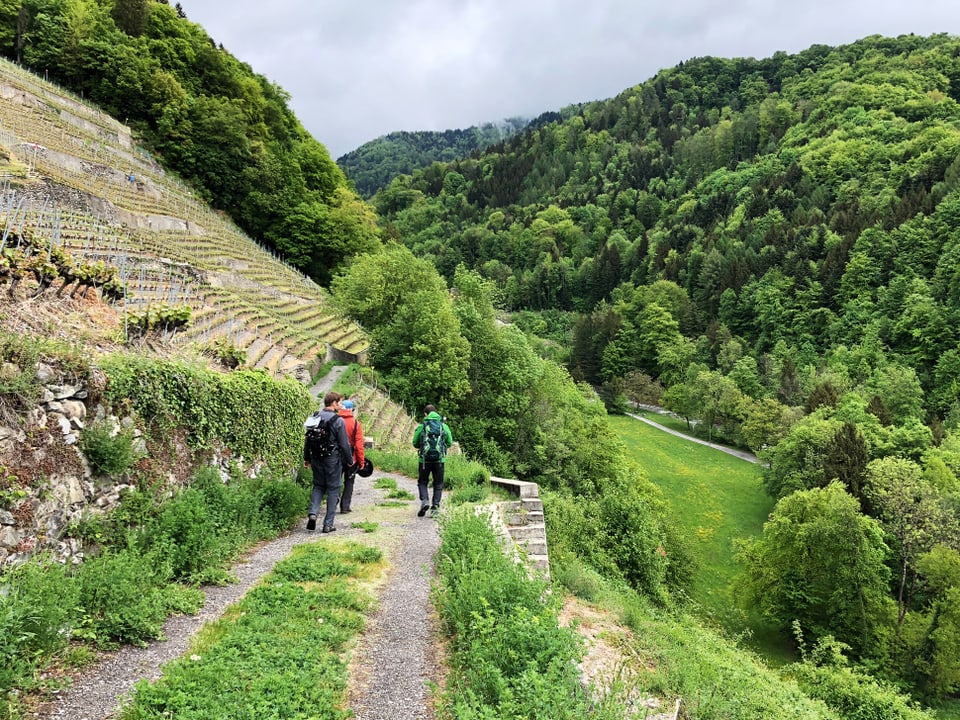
<point>359,69</point>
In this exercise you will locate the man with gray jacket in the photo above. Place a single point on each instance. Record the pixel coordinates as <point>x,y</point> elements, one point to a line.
<point>326,451</point>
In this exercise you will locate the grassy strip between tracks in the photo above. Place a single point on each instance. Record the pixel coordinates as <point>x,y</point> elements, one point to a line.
<point>280,652</point>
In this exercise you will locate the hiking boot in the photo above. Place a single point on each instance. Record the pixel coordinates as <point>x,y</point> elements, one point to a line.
<point>423,510</point>
<point>435,511</point>
<point>345,510</point>
<point>328,528</point>
<point>311,523</point>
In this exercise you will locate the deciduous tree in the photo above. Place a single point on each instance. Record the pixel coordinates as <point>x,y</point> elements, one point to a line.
<point>820,562</point>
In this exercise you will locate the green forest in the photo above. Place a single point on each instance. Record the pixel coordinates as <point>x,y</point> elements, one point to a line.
<point>767,248</point>
<point>374,164</point>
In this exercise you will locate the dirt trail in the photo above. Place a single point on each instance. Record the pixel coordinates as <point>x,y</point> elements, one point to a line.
<point>326,382</point>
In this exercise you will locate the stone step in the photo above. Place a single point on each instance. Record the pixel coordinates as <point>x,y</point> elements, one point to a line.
<point>523,505</point>
<point>532,504</point>
<point>541,562</point>
<point>515,519</point>
<point>524,532</point>
<point>533,546</point>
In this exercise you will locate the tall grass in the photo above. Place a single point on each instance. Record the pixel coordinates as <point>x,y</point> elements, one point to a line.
<point>510,657</point>
<point>152,555</point>
<point>279,652</point>
<point>680,657</point>
<point>462,478</point>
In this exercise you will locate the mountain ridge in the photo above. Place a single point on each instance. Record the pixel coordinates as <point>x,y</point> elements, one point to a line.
<point>374,164</point>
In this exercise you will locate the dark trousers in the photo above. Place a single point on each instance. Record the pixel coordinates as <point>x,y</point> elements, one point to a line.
<point>326,485</point>
<point>426,470</point>
<point>346,496</point>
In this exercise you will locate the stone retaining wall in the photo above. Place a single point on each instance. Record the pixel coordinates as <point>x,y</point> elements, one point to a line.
<point>523,522</point>
<point>46,483</point>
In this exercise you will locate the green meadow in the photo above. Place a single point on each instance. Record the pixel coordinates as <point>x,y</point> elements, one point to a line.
<point>716,498</point>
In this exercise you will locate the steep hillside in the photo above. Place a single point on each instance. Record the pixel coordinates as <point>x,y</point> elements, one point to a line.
<point>373,165</point>
<point>226,130</point>
<point>796,204</point>
<point>769,249</point>
<point>78,181</point>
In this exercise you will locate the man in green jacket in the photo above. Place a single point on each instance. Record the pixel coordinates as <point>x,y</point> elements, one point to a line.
<point>431,438</point>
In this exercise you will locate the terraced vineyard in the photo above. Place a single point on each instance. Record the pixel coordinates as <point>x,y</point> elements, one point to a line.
<point>84,186</point>
<point>386,422</point>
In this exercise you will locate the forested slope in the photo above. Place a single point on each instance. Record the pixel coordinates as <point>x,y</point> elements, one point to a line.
<point>769,248</point>
<point>801,201</point>
<point>374,164</point>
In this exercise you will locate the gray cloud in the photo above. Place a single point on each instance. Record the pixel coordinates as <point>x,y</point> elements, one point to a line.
<point>356,71</point>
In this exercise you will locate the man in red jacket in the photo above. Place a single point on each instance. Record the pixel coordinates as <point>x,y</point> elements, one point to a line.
<point>355,435</point>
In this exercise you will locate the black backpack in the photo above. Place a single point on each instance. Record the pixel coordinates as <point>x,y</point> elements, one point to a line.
<point>433,444</point>
<point>321,439</point>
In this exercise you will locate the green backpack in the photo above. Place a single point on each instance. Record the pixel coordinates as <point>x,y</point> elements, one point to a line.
<point>433,444</point>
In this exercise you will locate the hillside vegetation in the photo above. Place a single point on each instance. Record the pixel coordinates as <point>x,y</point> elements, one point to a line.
<point>764,246</point>
<point>227,131</point>
<point>768,248</point>
<point>83,186</point>
<point>374,164</point>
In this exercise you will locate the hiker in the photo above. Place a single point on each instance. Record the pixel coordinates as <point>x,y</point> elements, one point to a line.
<point>431,438</point>
<point>326,451</point>
<point>355,434</point>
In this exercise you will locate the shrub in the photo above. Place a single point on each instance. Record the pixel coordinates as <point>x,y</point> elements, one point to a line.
<point>624,534</point>
<point>108,454</point>
<point>213,406</point>
<point>37,608</point>
<point>572,573</point>
<point>855,695</point>
<point>510,656</point>
<point>281,503</point>
<point>477,576</point>
<point>122,598</point>
<point>205,525</point>
<point>472,493</point>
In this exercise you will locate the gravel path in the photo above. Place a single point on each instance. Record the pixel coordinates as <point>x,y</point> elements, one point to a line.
<point>394,663</point>
<point>391,668</point>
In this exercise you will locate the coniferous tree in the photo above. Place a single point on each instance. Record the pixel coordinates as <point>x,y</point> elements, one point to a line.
<point>847,459</point>
<point>824,394</point>
<point>877,407</point>
<point>130,16</point>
